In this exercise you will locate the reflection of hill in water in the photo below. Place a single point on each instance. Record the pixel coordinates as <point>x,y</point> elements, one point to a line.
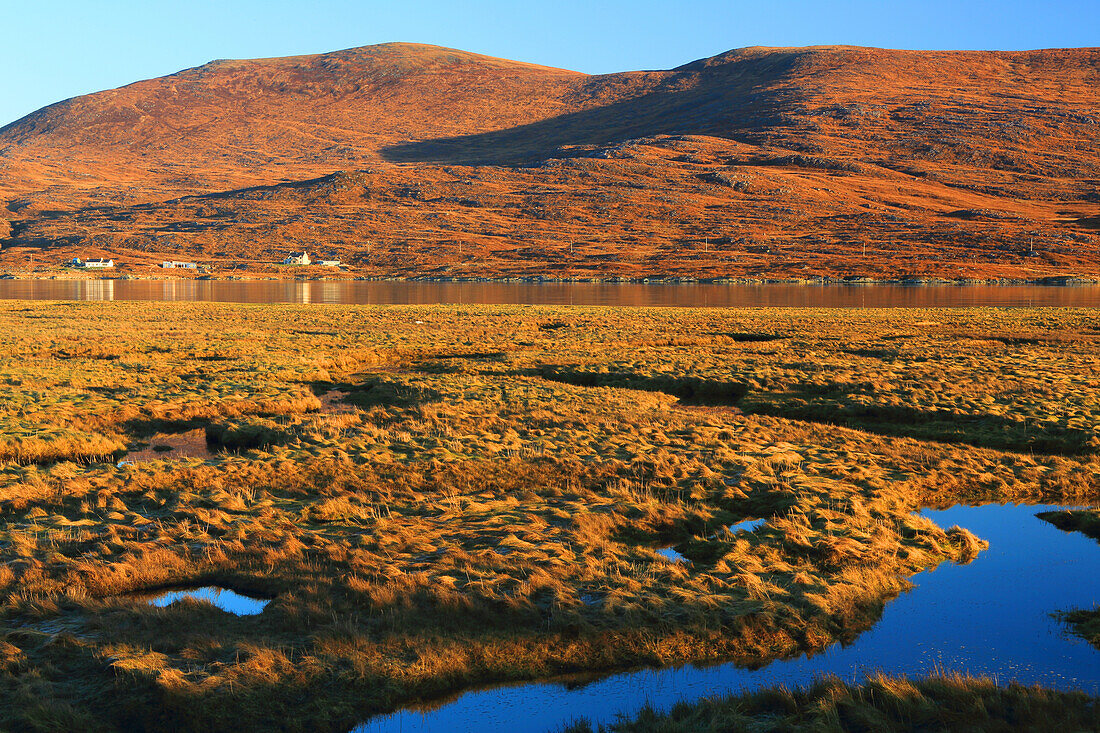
<point>697,295</point>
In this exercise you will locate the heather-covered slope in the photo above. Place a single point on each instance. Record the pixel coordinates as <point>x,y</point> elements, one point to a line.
<point>758,162</point>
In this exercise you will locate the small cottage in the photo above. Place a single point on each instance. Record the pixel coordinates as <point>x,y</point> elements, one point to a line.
<point>329,263</point>
<point>174,265</point>
<point>297,258</point>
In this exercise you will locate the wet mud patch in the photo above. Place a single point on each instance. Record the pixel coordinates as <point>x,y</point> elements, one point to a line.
<point>254,434</point>
<point>374,391</point>
<point>334,402</point>
<point>171,446</point>
<point>203,437</point>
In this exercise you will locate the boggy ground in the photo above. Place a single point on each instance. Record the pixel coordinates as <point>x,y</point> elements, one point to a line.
<point>437,497</point>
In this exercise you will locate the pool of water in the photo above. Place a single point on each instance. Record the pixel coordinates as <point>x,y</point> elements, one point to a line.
<point>169,446</point>
<point>670,554</point>
<point>990,617</point>
<point>223,598</point>
<point>613,294</point>
<point>749,525</point>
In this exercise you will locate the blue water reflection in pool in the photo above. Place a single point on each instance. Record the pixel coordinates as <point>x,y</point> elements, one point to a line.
<point>670,554</point>
<point>749,525</point>
<point>991,617</point>
<point>223,598</point>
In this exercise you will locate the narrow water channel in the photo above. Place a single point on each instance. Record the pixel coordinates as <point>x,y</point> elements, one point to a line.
<point>990,617</point>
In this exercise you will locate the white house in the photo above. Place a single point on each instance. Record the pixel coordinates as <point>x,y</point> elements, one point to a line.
<point>97,262</point>
<point>297,258</point>
<point>173,265</point>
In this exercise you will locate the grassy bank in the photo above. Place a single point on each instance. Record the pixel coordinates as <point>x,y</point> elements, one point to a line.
<point>881,704</point>
<point>439,497</point>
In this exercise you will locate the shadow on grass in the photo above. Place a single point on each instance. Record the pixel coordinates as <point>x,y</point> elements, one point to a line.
<point>832,405</point>
<point>378,390</point>
<point>689,390</point>
<point>982,430</point>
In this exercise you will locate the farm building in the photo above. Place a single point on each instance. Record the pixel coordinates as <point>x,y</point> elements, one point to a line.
<point>297,258</point>
<point>173,265</point>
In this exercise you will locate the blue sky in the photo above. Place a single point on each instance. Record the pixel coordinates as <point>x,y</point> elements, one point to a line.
<point>54,49</point>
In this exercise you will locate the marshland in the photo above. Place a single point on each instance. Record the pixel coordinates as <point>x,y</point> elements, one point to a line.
<point>431,499</point>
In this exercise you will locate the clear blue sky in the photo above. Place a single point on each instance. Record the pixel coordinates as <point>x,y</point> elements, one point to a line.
<point>54,49</point>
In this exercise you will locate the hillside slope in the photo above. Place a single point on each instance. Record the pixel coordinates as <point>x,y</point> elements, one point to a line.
<point>758,162</point>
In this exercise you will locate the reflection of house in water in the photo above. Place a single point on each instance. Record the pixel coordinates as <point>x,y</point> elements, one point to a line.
<point>180,290</point>
<point>302,293</point>
<point>330,292</point>
<point>98,290</point>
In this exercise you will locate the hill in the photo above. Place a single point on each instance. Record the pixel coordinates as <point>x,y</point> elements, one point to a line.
<point>416,160</point>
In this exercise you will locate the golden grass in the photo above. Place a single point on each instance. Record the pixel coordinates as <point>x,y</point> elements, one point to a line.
<point>433,502</point>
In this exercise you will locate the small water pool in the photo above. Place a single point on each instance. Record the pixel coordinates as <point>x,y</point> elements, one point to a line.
<point>749,525</point>
<point>989,617</point>
<point>670,554</point>
<point>223,598</point>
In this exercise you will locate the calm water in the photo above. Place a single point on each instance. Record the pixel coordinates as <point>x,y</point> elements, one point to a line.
<point>991,617</point>
<point>624,294</point>
<point>223,598</point>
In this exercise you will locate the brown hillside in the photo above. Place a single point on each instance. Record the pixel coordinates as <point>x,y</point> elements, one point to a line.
<point>794,162</point>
